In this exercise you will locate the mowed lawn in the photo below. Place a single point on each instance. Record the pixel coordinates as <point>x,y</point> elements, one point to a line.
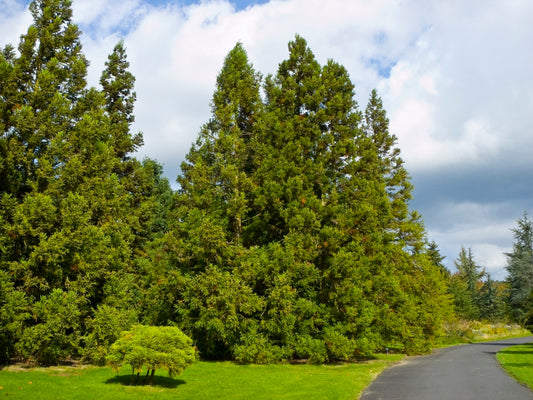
<point>518,362</point>
<point>202,380</point>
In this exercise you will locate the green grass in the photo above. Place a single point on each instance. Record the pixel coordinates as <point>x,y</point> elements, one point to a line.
<point>518,362</point>
<point>202,380</point>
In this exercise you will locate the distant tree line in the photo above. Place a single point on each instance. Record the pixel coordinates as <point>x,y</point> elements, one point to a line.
<point>476,296</point>
<point>290,237</point>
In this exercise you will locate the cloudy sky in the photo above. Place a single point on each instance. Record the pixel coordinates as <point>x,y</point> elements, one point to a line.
<point>456,78</point>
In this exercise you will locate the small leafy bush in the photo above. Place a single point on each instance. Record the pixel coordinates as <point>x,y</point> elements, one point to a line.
<point>152,347</point>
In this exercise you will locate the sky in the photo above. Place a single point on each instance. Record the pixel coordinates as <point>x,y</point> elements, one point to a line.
<point>456,79</point>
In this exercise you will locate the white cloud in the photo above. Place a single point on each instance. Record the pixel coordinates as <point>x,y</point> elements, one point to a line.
<point>14,21</point>
<point>470,69</point>
<point>485,229</point>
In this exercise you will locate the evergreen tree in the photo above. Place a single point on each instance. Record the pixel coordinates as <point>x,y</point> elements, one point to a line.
<point>465,283</point>
<point>117,84</point>
<point>220,162</point>
<point>437,259</point>
<point>322,258</point>
<point>304,192</point>
<point>405,270</point>
<point>10,177</point>
<point>51,76</point>
<point>520,270</point>
<point>212,208</point>
<point>77,212</point>
<point>490,301</point>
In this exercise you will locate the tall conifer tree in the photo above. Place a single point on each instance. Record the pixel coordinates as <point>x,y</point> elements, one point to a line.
<point>328,253</point>
<point>213,207</point>
<point>520,269</point>
<point>117,84</point>
<point>70,235</point>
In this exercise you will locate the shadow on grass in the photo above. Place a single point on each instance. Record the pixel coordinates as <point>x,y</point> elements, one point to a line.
<point>159,381</point>
<point>524,349</point>
<point>528,352</point>
<point>519,365</point>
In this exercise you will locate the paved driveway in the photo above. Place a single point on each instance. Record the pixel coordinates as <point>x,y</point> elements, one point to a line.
<point>467,372</point>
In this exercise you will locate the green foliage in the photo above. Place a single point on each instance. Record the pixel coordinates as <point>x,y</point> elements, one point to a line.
<point>314,350</point>
<point>14,311</point>
<point>77,212</point>
<point>256,348</point>
<point>465,284</point>
<point>473,297</point>
<point>152,347</point>
<point>290,236</point>
<point>491,301</point>
<point>292,231</point>
<point>216,308</point>
<point>53,336</point>
<point>520,269</point>
<point>103,330</point>
<point>463,301</point>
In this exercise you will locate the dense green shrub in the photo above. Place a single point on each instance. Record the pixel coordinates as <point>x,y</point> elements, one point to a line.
<point>54,336</point>
<point>256,348</point>
<point>103,330</point>
<point>314,350</point>
<point>14,310</point>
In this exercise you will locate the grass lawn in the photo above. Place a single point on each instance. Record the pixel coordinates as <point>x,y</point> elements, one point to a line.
<point>518,361</point>
<point>202,380</point>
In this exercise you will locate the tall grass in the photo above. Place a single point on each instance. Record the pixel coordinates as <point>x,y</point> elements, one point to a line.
<point>463,331</point>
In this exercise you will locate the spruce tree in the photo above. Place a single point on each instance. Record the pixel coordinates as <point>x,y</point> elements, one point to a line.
<point>437,259</point>
<point>464,285</point>
<point>490,301</point>
<point>520,272</point>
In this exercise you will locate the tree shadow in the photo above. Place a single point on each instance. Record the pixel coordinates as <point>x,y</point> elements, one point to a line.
<point>159,381</point>
<point>519,365</point>
<point>510,351</point>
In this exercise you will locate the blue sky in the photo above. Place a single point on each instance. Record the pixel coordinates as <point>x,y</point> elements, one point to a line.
<point>455,78</point>
<point>239,4</point>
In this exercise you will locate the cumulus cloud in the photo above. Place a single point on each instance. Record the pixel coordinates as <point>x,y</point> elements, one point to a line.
<point>14,21</point>
<point>455,79</point>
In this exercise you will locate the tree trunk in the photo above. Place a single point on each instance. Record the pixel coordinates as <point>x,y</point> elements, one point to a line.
<point>145,381</point>
<point>152,377</point>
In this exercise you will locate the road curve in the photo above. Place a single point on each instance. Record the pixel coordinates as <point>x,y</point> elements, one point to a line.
<point>467,372</point>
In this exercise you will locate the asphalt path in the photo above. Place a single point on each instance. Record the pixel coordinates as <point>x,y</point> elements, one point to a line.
<point>466,372</point>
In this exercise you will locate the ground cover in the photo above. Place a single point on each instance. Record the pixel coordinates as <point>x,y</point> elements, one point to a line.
<point>518,362</point>
<point>202,380</point>
<point>462,331</point>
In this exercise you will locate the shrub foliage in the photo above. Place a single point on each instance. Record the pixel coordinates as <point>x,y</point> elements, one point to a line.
<point>150,348</point>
